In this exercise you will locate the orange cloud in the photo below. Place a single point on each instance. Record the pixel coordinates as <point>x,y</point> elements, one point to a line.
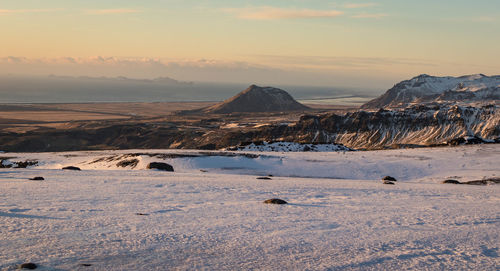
<point>360,5</point>
<point>18,11</point>
<point>113,11</point>
<point>271,13</point>
<point>370,15</point>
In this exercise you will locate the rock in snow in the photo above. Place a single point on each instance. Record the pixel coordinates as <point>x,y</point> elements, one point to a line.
<point>37,178</point>
<point>389,178</point>
<point>275,201</point>
<point>160,166</point>
<point>28,266</point>
<point>452,181</point>
<point>71,168</point>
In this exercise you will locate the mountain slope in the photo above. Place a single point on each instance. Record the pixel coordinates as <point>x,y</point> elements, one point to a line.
<point>425,88</point>
<point>258,99</point>
<point>412,126</point>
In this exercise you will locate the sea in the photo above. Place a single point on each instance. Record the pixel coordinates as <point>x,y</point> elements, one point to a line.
<point>58,89</point>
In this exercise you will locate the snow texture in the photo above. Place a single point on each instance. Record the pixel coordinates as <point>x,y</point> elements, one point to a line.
<point>215,219</point>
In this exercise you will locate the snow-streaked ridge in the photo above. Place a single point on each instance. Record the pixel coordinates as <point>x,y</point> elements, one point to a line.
<point>425,88</point>
<point>416,125</point>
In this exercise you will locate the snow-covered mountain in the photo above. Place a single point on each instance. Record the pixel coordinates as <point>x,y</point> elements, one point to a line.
<point>425,88</point>
<point>258,99</point>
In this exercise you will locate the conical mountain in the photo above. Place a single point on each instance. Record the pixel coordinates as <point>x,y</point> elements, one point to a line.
<point>258,99</point>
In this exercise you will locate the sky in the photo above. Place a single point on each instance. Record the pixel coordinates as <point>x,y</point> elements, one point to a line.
<point>302,42</point>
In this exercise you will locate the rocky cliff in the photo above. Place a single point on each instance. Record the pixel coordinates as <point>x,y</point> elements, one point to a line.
<point>413,126</point>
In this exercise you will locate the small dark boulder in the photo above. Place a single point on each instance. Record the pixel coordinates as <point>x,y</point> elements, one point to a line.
<point>85,264</point>
<point>141,214</point>
<point>28,266</point>
<point>275,201</point>
<point>263,178</point>
<point>389,178</point>
<point>452,181</point>
<point>388,182</point>
<point>160,166</point>
<point>37,179</point>
<point>71,168</point>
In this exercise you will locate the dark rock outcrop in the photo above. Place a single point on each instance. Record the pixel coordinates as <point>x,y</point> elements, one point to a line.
<point>71,168</point>
<point>160,166</point>
<point>467,140</point>
<point>128,163</point>
<point>452,181</point>
<point>483,182</point>
<point>389,178</point>
<point>4,163</point>
<point>142,214</point>
<point>275,201</point>
<point>28,266</point>
<point>37,178</point>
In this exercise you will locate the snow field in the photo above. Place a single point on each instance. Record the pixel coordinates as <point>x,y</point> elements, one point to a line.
<point>216,220</point>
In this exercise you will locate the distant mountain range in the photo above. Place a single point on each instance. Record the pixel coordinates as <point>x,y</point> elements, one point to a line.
<point>158,80</point>
<point>431,89</point>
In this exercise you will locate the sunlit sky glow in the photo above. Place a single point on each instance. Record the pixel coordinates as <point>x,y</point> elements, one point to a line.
<point>359,43</point>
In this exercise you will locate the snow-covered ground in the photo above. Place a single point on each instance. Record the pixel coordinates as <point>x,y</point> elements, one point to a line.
<point>340,215</point>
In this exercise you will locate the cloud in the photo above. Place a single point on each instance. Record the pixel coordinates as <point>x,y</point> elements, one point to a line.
<point>20,11</point>
<point>342,63</point>
<point>113,11</point>
<point>363,72</point>
<point>272,13</point>
<point>360,5</point>
<point>370,16</point>
<point>134,63</point>
<point>480,19</point>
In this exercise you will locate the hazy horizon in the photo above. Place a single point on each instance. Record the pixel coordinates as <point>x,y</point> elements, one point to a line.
<point>358,44</point>
<point>65,89</point>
